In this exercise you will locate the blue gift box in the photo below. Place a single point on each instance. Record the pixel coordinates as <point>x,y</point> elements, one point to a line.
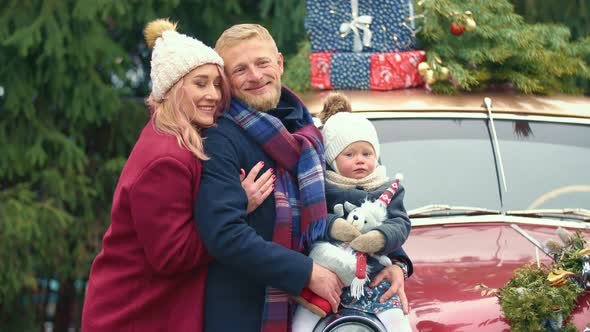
<point>389,27</point>
<point>351,71</point>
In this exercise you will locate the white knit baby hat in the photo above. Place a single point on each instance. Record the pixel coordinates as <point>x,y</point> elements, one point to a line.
<point>342,128</point>
<point>174,55</point>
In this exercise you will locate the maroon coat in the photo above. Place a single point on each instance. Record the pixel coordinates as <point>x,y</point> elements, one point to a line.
<point>150,274</point>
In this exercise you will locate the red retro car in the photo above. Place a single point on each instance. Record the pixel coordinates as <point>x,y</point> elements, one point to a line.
<point>489,178</point>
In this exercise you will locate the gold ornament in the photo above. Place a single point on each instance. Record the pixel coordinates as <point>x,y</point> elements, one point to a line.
<point>423,67</point>
<point>444,73</point>
<point>470,25</point>
<point>429,77</point>
<point>558,277</point>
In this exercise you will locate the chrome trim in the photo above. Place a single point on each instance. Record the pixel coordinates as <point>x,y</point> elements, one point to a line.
<point>495,218</point>
<point>424,210</point>
<point>473,115</point>
<point>584,214</point>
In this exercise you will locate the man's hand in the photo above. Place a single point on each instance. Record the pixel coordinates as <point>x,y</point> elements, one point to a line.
<point>395,275</point>
<point>343,231</point>
<point>326,284</point>
<point>259,189</point>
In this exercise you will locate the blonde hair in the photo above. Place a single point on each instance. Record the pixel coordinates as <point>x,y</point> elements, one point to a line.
<point>170,118</point>
<point>241,32</point>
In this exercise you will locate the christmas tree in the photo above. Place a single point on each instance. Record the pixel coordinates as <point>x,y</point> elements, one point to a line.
<point>478,44</point>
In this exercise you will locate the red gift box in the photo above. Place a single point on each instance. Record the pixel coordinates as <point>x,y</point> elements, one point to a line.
<point>398,70</point>
<point>320,70</point>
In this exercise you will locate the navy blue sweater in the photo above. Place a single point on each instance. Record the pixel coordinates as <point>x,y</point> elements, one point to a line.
<point>246,259</point>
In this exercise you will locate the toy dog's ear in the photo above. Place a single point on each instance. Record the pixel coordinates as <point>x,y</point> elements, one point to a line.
<point>349,206</point>
<point>339,210</point>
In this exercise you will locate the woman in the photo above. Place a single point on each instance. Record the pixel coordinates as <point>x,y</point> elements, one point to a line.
<point>149,275</point>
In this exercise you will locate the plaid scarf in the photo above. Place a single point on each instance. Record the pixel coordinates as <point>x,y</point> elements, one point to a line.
<point>299,189</point>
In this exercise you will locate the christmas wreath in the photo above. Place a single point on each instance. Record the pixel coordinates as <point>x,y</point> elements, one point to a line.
<point>541,297</point>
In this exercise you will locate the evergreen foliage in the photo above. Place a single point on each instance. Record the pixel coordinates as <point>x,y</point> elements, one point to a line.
<point>65,131</point>
<point>73,79</point>
<point>535,58</point>
<point>542,298</point>
<point>575,14</point>
<point>528,300</point>
<point>297,69</point>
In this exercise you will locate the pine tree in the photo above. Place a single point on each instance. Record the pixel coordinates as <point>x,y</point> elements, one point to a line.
<point>65,131</point>
<point>73,79</point>
<point>501,48</point>
<point>574,14</point>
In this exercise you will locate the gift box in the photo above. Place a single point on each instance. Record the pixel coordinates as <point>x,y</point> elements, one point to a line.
<point>399,70</point>
<point>360,25</point>
<point>320,70</point>
<point>374,71</point>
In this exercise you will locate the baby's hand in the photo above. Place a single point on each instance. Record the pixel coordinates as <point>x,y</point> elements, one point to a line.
<point>343,231</point>
<point>369,243</point>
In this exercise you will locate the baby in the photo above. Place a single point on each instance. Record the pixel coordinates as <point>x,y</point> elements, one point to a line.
<point>354,175</point>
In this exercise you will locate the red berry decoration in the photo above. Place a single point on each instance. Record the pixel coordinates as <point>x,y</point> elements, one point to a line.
<point>457,29</point>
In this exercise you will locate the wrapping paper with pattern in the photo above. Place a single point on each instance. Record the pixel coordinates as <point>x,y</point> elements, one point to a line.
<point>320,70</point>
<point>374,71</point>
<point>351,71</point>
<point>390,29</point>
<point>391,71</point>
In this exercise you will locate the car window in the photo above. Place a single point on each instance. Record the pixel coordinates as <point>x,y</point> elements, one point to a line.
<point>451,161</point>
<point>547,165</point>
<point>444,161</point>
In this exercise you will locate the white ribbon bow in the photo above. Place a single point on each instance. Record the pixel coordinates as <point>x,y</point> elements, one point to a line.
<point>356,25</point>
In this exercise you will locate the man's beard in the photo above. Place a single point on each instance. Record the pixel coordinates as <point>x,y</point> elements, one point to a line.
<point>262,103</point>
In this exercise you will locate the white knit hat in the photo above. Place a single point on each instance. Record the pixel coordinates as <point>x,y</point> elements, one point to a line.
<point>343,129</point>
<point>174,55</point>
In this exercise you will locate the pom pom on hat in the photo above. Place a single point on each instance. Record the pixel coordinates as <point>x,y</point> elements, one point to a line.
<point>174,55</point>
<point>342,128</point>
<point>155,29</point>
<point>335,102</point>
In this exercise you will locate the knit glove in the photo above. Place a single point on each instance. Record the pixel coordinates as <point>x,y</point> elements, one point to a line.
<point>370,242</point>
<point>343,231</point>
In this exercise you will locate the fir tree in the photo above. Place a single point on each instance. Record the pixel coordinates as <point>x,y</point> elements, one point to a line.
<point>483,43</point>
<point>65,131</point>
<point>73,79</point>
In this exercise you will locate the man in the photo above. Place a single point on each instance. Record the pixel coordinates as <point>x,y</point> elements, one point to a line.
<point>258,259</point>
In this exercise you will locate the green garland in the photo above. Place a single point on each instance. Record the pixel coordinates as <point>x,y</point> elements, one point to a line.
<point>531,302</point>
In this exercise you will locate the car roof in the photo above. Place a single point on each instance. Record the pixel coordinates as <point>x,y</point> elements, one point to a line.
<point>421,100</point>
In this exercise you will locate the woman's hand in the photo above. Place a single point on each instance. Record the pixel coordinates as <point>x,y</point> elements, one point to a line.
<point>257,189</point>
<point>395,275</point>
